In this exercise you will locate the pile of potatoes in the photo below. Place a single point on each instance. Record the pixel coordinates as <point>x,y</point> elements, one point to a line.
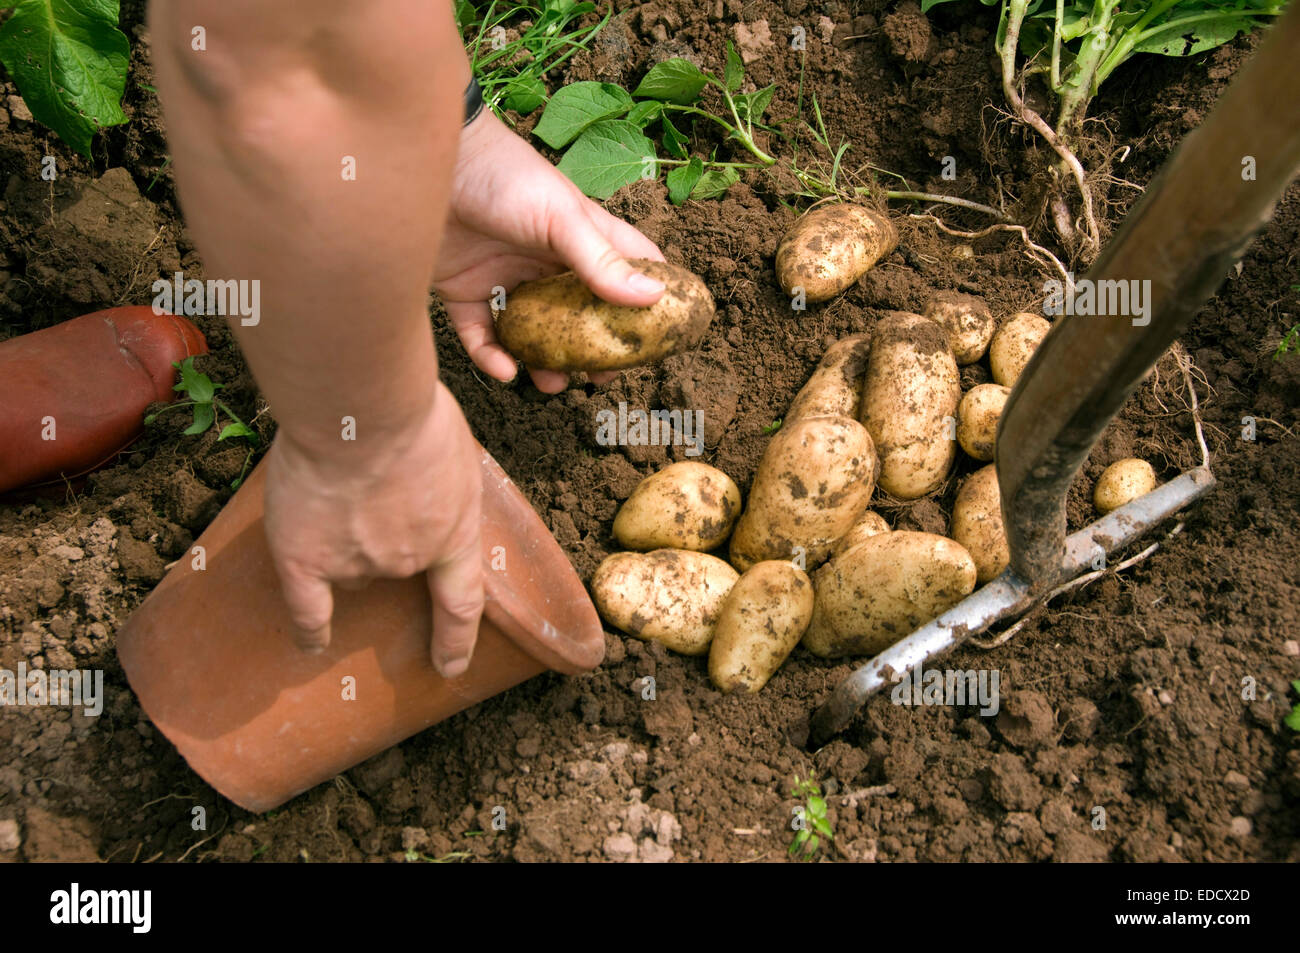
<point>808,561</point>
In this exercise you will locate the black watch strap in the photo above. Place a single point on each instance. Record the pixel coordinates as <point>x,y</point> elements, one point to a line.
<point>473,100</point>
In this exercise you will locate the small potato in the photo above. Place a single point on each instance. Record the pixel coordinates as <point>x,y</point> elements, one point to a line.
<point>671,596</point>
<point>557,323</point>
<point>967,322</point>
<point>977,419</point>
<point>836,385</point>
<point>911,388</point>
<point>763,619</point>
<point>869,524</point>
<point>977,523</point>
<point>685,505</point>
<point>1123,482</point>
<point>881,590</point>
<point>814,481</point>
<point>1014,345</point>
<point>830,248</point>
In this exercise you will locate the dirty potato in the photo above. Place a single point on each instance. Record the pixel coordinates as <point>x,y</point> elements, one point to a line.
<point>1123,482</point>
<point>967,322</point>
<point>672,596</point>
<point>881,590</point>
<point>977,523</point>
<point>814,481</point>
<point>685,505</point>
<point>1014,345</point>
<point>558,324</point>
<point>909,402</point>
<point>830,248</point>
<point>977,419</point>
<point>763,619</point>
<point>869,524</point>
<point>836,385</point>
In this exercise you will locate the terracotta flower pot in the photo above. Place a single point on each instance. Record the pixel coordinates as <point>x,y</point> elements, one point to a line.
<point>211,657</point>
<point>74,395</point>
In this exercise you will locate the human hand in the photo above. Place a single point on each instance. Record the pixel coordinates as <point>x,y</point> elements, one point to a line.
<point>515,217</point>
<point>406,505</point>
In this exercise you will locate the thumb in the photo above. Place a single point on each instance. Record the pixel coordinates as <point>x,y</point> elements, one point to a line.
<point>584,248</point>
<point>311,606</point>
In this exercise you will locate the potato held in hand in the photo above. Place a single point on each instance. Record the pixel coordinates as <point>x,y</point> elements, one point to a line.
<point>835,388</point>
<point>761,622</point>
<point>977,523</point>
<point>671,596</point>
<point>909,403</point>
<point>559,324</point>
<point>814,481</point>
<point>685,505</point>
<point>830,248</point>
<point>881,590</point>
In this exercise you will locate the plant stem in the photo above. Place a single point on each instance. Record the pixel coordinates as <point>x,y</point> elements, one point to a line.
<point>745,138</point>
<point>1079,89</point>
<point>946,199</point>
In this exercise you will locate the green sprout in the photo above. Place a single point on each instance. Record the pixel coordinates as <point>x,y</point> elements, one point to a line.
<point>202,396</point>
<point>1292,720</point>
<point>815,827</point>
<point>773,427</point>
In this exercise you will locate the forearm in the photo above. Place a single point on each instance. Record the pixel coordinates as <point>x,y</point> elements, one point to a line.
<point>261,126</point>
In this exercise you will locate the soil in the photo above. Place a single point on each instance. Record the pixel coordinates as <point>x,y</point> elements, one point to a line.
<point>1123,701</point>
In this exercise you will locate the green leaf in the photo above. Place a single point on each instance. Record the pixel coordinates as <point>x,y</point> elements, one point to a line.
<point>798,842</point>
<point>1292,720</point>
<point>577,106</point>
<point>673,81</point>
<point>194,384</point>
<point>674,142</point>
<point>643,114</point>
<point>69,61</point>
<point>1177,39</point>
<point>608,156</point>
<point>235,430</point>
<point>203,417</point>
<point>751,106</point>
<point>734,74</point>
<point>715,183</point>
<point>682,180</point>
<point>524,94</point>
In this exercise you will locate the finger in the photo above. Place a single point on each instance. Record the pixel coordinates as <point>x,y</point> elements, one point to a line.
<point>548,382</point>
<point>602,377</point>
<point>456,586</point>
<point>628,239</point>
<point>583,246</point>
<point>473,323</point>
<point>311,605</point>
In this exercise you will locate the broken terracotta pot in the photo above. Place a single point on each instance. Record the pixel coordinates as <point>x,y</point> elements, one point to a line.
<point>72,396</point>
<point>211,656</point>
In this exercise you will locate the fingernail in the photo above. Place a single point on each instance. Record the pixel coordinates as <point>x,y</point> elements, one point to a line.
<point>453,668</point>
<point>644,284</point>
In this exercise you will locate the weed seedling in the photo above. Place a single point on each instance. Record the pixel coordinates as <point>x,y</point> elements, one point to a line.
<point>1292,720</point>
<point>811,823</point>
<point>773,427</point>
<point>202,396</point>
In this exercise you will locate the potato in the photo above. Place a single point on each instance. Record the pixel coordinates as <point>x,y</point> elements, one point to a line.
<point>869,524</point>
<point>1123,482</point>
<point>763,619</point>
<point>910,387</point>
<point>977,523</point>
<point>977,419</point>
<point>830,248</point>
<point>1014,345</point>
<point>967,322</point>
<point>813,483</point>
<point>883,589</point>
<point>671,596</point>
<point>557,323</point>
<point>685,505</point>
<point>835,387</point>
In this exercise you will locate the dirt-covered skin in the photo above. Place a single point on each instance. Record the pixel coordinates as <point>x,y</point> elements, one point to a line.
<point>814,481</point>
<point>830,248</point>
<point>967,322</point>
<point>909,402</point>
<point>685,505</point>
<point>557,323</point>
<point>1126,694</point>
<point>835,387</point>
<point>765,615</point>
